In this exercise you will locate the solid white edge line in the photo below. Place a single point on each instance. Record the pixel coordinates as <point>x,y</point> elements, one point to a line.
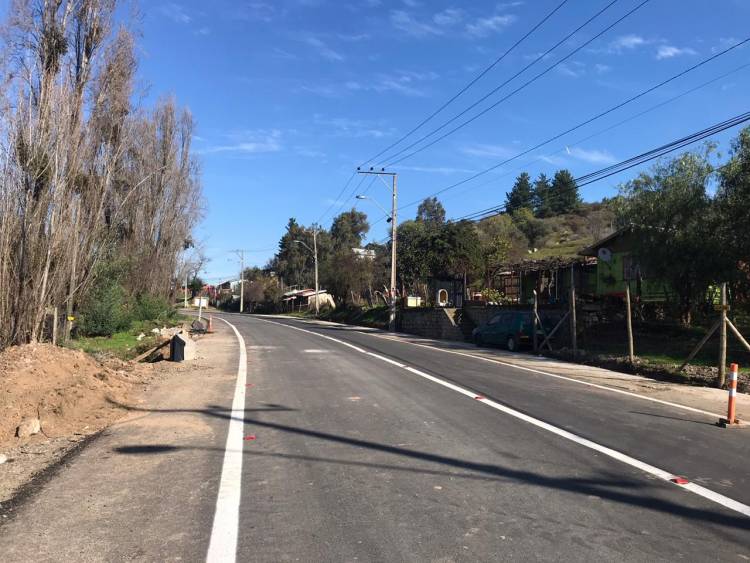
<point>585,442</point>
<point>539,372</point>
<point>223,545</point>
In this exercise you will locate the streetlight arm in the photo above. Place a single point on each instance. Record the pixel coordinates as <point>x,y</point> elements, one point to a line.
<point>303,244</point>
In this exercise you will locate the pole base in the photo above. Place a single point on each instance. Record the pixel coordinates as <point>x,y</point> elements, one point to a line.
<point>736,423</point>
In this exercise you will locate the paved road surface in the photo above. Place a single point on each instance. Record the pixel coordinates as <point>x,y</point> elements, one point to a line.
<point>366,453</point>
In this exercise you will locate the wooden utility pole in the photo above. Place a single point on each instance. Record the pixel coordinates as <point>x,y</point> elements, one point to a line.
<point>723,337</point>
<point>629,313</point>
<point>573,322</point>
<point>73,280</point>
<point>55,321</point>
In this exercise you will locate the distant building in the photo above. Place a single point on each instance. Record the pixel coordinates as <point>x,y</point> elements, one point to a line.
<point>364,253</point>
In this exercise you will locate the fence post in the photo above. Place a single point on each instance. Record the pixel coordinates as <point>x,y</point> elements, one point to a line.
<point>55,322</point>
<point>536,322</point>
<point>629,312</point>
<point>573,324</point>
<point>723,337</point>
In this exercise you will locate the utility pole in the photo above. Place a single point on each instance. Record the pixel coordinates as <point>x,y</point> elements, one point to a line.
<point>393,220</point>
<point>241,254</point>
<point>185,302</point>
<point>314,251</point>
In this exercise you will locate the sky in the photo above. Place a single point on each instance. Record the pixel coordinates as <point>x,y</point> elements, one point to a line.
<point>290,96</point>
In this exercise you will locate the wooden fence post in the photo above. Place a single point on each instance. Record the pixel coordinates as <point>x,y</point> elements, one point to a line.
<point>573,323</point>
<point>629,312</point>
<point>535,324</point>
<point>55,322</point>
<point>723,337</point>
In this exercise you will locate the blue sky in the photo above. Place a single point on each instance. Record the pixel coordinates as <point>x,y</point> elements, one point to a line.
<point>291,95</point>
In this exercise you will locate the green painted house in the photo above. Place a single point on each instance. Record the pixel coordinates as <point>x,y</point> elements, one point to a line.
<point>616,268</point>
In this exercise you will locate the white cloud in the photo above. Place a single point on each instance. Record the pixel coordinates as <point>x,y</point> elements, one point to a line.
<point>483,27</point>
<point>724,43</point>
<point>592,156</point>
<point>175,12</point>
<point>254,142</point>
<point>601,68</point>
<point>324,50</point>
<point>507,5</point>
<point>403,21</point>
<point>354,128</point>
<point>354,37</point>
<point>626,43</point>
<point>670,51</point>
<point>573,69</point>
<point>448,17</point>
<point>494,151</point>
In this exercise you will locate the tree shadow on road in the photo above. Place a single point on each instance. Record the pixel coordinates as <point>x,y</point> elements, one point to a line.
<point>622,488</point>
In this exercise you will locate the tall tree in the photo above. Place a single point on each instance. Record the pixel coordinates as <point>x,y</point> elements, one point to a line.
<point>431,212</point>
<point>563,195</point>
<point>673,224</point>
<point>348,230</point>
<point>541,197</point>
<point>521,195</point>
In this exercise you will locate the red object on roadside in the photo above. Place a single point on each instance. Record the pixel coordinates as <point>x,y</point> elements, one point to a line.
<point>251,437</point>
<point>679,480</point>
<point>480,397</point>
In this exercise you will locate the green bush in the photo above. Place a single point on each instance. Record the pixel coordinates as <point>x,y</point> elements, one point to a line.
<point>105,310</point>
<point>151,308</point>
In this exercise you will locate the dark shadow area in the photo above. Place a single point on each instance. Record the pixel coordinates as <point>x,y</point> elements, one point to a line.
<point>610,488</point>
<point>148,449</point>
<point>673,418</point>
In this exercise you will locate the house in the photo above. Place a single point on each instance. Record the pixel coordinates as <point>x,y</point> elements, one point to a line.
<point>549,277</point>
<point>300,299</point>
<point>616,267</point>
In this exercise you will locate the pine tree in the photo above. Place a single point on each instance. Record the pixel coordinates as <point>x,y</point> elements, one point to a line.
<point>564,197</point>
<point>520,195</point>
<point>541,197</point>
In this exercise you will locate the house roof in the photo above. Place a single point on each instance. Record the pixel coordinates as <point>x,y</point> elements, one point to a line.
<point>593,250</point>
<point>551,263</point>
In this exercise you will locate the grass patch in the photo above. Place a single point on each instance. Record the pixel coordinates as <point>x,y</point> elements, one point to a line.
<point>374,317</point>
<point>125,344</point>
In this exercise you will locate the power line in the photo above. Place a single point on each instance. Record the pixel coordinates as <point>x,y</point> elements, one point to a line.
<point>614,126</point>
<point>586,122</point>
<point>390,160</point>
<point>470,84</point>
<point>338,197</point>
<point>629,163</point>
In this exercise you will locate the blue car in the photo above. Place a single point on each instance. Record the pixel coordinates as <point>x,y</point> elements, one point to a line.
<point>509,329</point>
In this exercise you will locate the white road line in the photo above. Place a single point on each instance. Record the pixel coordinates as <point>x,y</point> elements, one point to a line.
<point>223,545</point>
<point>614,454</point>
<point>545,373</point>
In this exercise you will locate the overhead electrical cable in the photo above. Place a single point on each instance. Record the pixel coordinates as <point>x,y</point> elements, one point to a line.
<point>392,159</point>
<point>631,162</point>
<point>469,85</point>
<point>586,122</point>
<point>338,197</point>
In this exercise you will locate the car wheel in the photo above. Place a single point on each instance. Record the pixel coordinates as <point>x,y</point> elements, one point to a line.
<point>511,344</point>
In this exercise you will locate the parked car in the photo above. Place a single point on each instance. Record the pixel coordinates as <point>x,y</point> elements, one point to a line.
<point>511,329</point>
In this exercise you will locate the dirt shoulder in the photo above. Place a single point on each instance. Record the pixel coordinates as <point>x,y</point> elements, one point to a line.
<point>73,395</point>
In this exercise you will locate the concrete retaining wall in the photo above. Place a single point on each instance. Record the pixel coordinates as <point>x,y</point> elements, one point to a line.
<point>439,323</point>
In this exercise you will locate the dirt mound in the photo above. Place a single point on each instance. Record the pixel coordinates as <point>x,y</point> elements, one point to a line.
<point>68,390</point>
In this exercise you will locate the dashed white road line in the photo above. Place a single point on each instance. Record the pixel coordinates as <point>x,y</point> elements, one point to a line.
<point>614,454</point>
<point>223,545</point>
<point>541,372</point>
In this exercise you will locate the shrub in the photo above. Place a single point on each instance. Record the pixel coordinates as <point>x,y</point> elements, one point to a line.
<point>151,308</point>
<point>104,311</point>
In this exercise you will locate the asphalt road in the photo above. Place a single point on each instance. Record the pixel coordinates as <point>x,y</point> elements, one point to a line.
<point>358,459</point>
<point>342,445</point>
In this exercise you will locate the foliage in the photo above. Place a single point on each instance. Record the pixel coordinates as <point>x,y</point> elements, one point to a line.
<point>152,308</point>
<point>494,297</point>
<point>521,195</point>
<point>563,195</point>
<point>541,197</point>
<point>431,212</point>
<point>673,222</point>
<point>534,229</point>
<point>105,310</point>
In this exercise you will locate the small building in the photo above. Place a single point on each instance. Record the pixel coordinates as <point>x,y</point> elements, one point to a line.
<point>616,267</point>
<point>304,299</point>
<point>550,278</point>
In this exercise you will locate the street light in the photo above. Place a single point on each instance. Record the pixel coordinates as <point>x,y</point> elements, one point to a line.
<point>388,217</point>
<point>314,251</point>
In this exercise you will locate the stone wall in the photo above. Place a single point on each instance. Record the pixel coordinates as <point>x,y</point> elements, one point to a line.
<point>438,322</point>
